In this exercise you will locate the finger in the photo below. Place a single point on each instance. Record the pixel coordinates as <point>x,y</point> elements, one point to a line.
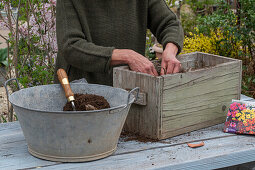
<point>154,71</point>
<point>163,68</point>
<point>170,68</point>
<point>177,68</point>
<point>148,70</point>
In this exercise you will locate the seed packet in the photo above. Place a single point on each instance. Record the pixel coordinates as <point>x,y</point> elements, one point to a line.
<point>240,118</point>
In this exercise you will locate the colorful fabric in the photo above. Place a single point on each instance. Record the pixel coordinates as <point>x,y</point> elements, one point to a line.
<point>240,119</point>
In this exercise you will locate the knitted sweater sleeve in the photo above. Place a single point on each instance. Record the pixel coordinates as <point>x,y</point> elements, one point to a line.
<point>77,51</point>
<point>164,24</point>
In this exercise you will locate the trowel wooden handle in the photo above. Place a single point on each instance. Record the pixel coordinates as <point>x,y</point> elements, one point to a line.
<point>63,79</point>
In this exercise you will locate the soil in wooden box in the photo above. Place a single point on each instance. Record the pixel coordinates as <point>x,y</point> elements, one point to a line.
<point>81,100</point>
<point>197,66</point>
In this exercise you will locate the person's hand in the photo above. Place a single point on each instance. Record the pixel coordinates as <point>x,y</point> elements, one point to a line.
<point>169,62</point>
<point>136,61</point>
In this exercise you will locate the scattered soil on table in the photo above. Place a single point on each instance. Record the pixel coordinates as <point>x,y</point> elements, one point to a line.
<point>81,100</point>
<point>126,136</point>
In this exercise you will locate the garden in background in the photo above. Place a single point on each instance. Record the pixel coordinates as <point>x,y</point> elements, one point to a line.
<point>28,50</point>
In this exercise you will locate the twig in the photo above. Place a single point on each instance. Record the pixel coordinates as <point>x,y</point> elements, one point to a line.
<point>12,36</point>
<point>28,36</point>
<point>8,57</point>
<point>17,35</point>
<point>3,37</point>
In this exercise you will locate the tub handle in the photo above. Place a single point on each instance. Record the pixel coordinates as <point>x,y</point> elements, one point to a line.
<point>6,88</point>
<point>131,92</point>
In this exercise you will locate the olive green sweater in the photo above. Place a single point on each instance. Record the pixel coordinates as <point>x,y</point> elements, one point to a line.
<point>89,30</point>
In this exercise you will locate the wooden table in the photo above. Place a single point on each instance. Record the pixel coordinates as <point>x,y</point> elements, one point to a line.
<point>220,150</point>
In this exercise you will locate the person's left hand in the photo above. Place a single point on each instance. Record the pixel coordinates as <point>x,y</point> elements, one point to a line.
<point>169,62</point>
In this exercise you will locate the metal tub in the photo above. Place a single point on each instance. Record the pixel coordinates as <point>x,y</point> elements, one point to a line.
<point>69,136</point>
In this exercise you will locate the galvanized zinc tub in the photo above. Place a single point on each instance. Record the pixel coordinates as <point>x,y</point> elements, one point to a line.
<point>70,136</point>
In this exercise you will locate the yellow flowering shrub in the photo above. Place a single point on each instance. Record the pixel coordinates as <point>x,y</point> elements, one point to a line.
<point>199,42</point>
<point>216,43</point>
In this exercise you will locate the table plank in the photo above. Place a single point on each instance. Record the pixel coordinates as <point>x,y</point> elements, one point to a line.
<point>220,150</point>
<point>246,98</point>
<point>213,132</point>
<point>168,153</point>
<point>216,162</point>
<point>177,157</point>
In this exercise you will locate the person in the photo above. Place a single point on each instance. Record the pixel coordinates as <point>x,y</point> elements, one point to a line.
<point>94,36</point>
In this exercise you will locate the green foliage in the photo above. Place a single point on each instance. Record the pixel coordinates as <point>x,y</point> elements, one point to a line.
<point>149,43</point>
<point>32,71</point>
<point>33,54</point>
<point>170,3</point>
<point>3,56</point>
<point>202,6</point>
<point>188,19</point>
<point>236,27</point>
<point>238,37</point>
<point>33,74</point>
<point>3,119</point>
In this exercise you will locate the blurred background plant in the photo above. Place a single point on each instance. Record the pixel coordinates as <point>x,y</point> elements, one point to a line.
<point>237,40</point>
<point>221,27</point>
<point>3,57</point>
<point>31,42</point>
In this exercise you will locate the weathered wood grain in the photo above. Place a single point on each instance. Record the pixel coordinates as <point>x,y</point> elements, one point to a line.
<point>220,150</point>
<point>143,120</point>
<point>196,99</point>
<point>182,102</point>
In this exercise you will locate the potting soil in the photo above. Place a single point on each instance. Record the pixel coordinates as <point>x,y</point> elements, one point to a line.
<point>157,65</point>
<point>81,100</point>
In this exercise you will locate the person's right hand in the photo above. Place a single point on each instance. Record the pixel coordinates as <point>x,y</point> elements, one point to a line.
<point>136,61</point>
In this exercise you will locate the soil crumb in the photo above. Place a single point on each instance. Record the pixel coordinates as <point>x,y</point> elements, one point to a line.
<point>126,136</point>
<point>83,100</point>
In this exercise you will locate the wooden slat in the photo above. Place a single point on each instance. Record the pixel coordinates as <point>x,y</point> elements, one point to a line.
<point>187,57</point>
<point>13,149</point>
<point>191,127</point>
<point>143,120</point>
<point>189,78</point>
<point>222,161</point>
<point>246,98</point>
<point>195,99</point>
<point>220,150</point>
<point>217,58</point>
<point>164,156</point>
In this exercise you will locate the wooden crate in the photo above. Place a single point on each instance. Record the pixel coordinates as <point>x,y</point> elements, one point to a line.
<point>174,104</point>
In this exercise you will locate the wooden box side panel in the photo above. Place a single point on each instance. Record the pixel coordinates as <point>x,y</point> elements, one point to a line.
<point>198,99</point>
<point>213,60</point>
<point>199,60</point>
<point>188,60</point>
<point>187,57</point>
<point>142,120</point>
